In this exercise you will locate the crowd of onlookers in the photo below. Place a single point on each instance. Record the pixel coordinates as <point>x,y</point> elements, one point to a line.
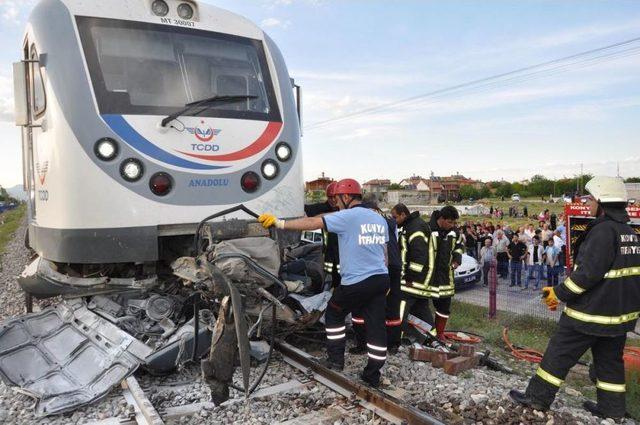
<point>537,250</point>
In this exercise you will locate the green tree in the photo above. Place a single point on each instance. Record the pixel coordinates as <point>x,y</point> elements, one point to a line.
<point>632,180</point>
<point>505,189</point>
<point>395,186</point>
<point>485,192</point>
<point>467,191</point>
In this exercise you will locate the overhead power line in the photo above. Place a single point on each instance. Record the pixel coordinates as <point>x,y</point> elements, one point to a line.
<point>579,60</point>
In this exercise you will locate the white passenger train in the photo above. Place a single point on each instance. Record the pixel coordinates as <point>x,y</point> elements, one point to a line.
<point>141,117</point>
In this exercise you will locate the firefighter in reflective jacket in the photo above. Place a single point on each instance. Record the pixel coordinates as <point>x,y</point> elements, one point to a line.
<point>330,250</point>
<point>363,236</point>
<point>602,298</point>
<point>430,254</point>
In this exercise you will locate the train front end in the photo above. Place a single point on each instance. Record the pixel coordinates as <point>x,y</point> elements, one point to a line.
<point>153,114</point>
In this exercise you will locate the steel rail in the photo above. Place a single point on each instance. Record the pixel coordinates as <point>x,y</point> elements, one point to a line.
<point>385,405</point>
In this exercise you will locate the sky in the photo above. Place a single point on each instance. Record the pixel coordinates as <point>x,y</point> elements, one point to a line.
<point>350,55</point>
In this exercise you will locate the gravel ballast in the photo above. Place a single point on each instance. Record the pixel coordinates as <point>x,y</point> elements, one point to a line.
<point>478,396</point>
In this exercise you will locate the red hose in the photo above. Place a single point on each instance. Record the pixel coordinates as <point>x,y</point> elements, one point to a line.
<point>467,339</point>
<point>526,354</point>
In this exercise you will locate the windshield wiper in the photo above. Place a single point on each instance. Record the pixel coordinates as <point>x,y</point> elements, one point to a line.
<point>214,99</point>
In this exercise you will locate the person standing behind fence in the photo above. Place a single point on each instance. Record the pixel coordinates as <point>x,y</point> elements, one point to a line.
<point>470,241</point>
<point>487,256</point>
<point>535,253</point>
<point>500,242</point>
<point>517,251</point>
<point>551,253</point>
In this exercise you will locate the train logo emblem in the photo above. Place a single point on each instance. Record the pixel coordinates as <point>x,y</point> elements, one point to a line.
<point>204,134</point>
<point>42,170</point>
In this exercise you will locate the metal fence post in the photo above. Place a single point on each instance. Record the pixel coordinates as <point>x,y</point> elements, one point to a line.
<point>493,283</point>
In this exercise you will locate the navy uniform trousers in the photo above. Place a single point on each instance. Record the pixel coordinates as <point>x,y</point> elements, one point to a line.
<point>564,350</point>
<point>367,298</point>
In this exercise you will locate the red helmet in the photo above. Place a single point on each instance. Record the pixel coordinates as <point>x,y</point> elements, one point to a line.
<point>348,187</point>
<point>331,189</point>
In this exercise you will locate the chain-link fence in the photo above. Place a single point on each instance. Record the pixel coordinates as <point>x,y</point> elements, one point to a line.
<point>523,299</point>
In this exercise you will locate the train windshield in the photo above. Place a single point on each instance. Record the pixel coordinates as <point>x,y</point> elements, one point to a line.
<point>148,69</point>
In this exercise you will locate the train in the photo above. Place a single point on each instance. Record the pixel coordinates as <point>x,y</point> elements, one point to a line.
<point>141,117</point>
<point>153,131</point>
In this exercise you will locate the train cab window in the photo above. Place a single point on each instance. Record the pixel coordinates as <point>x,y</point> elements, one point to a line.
<point>139,68</point>
<point>38,97</point>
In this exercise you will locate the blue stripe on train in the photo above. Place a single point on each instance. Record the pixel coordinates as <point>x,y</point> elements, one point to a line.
<point>130,136</point>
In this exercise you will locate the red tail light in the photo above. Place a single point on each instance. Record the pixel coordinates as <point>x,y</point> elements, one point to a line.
<point>161,184</point>
<point>250,182</point>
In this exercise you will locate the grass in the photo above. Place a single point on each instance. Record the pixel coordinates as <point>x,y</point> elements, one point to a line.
<point>9,223</point>
<point>633,395</point>
<point>534,205</point>
<point>531,332</point>
<point>523,330</point>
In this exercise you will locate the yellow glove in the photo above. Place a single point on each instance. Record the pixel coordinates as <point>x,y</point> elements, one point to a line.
<point>267,220</point>
<point>270,220</point>
<point>550,298</point>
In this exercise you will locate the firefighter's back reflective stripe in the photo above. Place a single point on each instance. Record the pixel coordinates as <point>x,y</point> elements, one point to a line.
<point>601,320</point>
<point>546,376</point>
<point>607,386</point>
<point>628,271</point>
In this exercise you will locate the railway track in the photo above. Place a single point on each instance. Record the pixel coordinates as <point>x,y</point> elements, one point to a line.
<point>386,405</point>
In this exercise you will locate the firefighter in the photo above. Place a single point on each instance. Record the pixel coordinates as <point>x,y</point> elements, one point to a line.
<point>430,254</point>
<point>330,250</point>
<point>602,298</point>
<point>362,236</point>
<point>393,320</point>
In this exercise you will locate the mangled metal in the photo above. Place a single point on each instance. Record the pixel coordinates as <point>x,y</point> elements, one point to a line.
<point>216,303</point>
<point>42,280</point>
<point>66,356</point>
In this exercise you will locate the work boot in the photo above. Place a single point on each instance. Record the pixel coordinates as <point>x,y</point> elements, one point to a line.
<point>332,365</point>
<point>523,399</point>
<point>393,350</point>
<point>370,382</point>
<point>593,408</point>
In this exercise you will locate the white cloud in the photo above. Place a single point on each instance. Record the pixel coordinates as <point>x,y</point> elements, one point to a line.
<point>6,99</point>
<point>12,10</point>
<point>274,22</point>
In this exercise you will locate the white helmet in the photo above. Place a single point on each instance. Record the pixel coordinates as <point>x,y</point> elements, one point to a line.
<point>607,189</point>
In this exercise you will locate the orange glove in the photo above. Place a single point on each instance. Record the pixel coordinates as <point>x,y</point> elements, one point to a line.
<point>549,297</point>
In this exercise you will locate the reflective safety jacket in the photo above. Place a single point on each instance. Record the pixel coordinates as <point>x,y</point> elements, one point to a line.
<point>330,251</point>
<point>602,295</point>
<point>427,253</point>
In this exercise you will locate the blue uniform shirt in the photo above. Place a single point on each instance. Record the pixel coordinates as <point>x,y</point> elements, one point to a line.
<point>362,236</point>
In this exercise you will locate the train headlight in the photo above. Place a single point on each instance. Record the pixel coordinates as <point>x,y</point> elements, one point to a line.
<point>250,182</point>
<point>185,11</point>
<point>270,169</point>
<point>283,151</point>
<point>161,184</point>
<point>160,8</point>
<point>106,149</point>
<point>131,170</point>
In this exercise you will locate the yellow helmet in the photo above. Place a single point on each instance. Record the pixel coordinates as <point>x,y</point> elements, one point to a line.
<point>607,189</point>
